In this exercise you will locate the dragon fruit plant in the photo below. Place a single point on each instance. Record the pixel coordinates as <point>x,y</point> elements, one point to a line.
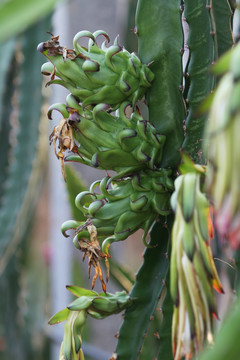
<point>163,182</point>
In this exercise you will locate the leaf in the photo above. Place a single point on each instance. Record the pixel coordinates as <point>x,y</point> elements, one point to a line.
<point>7,51</point>
<point>121,275</point>
<point>165,331</point>
<point>79,291</point>
<point>59,317</point>
<point>165,102</point>
<point>8,70</point>
<point>81,303</point>
<point>17,15</point>
<point>226,343</point>
<point>147,289</point>
<point>20,190</point>
<point>223,64</point>
<point>223,16</point>
<point>202,54</point>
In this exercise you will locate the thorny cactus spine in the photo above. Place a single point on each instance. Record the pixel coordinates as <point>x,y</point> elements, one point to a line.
<point>96,75</point>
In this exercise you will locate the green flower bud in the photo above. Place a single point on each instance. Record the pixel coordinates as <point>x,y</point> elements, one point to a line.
<point>120,143</point>
<point>71,347</point>
<point>193,275</point>
<point>121,207</point>
<point>97,75</point>
<point>222,144</point>
<point>97,305</point>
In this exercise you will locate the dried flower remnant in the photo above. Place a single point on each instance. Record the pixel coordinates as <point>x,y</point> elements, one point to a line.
<point>62,134</point>
<point>87,242</point>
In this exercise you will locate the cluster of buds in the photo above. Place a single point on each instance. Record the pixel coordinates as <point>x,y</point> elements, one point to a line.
<point>120,208</point>
<point>223,128</point>
<point>193,273</point>
<point>102,127</point>
<point>96,75</point>
<point>88,302</point>
<point>97,138</point>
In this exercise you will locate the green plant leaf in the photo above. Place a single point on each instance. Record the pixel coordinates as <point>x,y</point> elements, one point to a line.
<point>201,82</point>
<point>149,284</point>
<point>59,317</point>
<point>165,100</point>
<point>81,303</point>
<point>223,16</point>
<point>17,15</point>
<point>8,70</point>
<point>79,291</point>
<point>226,343</point>
<point>7,49</point>
<point>20,190</point>
<point>121,275</point>
<point>165,330</point>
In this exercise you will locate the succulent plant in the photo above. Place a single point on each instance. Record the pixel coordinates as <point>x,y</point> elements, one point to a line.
<point>145,156</point>
<point>122,207</point>
<point>122,143</point>
<point>96,75</point>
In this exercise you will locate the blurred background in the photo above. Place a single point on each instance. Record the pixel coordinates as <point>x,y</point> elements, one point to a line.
<point>36,261</point>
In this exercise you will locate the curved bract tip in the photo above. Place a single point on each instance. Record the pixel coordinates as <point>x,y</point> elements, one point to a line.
<point>70,225</point>
<point>106,244</point>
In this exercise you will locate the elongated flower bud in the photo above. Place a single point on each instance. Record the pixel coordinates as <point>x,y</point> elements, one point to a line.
<point>222,133</point>
<point>120,143</point>
<point>97,305</point>
<point>122,206</point>
<point>193,273</point>
<point>71,347</point>
<point>96,75</point>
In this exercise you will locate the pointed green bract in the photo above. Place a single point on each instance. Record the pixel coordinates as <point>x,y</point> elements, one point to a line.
<point>79,291</point>
<point>123,206</point>
<point>59,317</point>
<point>121,143</point>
